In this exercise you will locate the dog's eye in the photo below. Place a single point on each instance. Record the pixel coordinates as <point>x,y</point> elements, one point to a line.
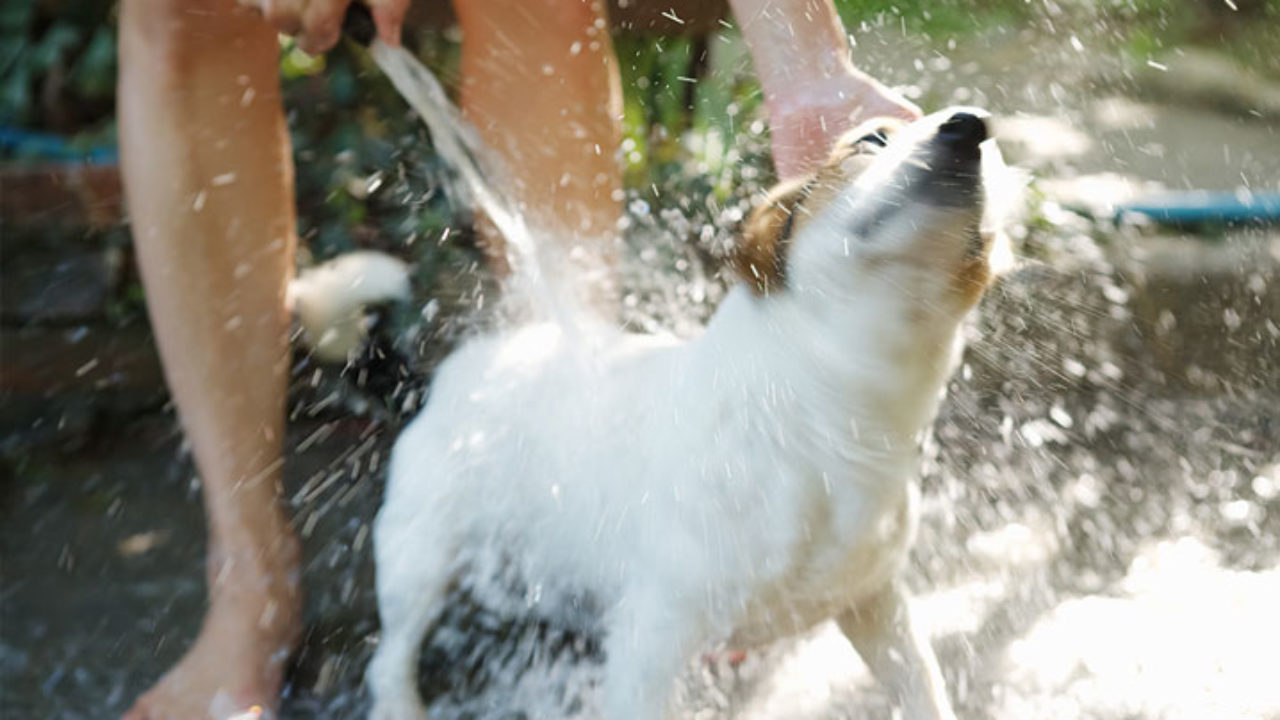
<point>866,139</point>
<point>874,140</point>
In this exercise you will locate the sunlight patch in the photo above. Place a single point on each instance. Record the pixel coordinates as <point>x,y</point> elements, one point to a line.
<point>1188,640</point>
<point>806,682</point>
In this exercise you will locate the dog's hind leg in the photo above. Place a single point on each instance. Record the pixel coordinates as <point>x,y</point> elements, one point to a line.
<point>414,567</point>
<point>880,629</point>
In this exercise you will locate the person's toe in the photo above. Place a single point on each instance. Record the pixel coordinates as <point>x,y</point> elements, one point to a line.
<point>139,711</point>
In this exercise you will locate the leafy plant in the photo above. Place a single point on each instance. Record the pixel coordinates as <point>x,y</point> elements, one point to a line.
<point>58,68</point>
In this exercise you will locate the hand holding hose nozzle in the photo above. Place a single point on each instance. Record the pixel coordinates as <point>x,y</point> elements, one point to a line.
<point>317,25</point>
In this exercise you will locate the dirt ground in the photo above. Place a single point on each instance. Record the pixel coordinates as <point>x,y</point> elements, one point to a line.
<point>1091,548</point>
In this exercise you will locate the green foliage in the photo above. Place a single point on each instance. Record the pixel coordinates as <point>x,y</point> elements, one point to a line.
<point>685,100</point>
<point>57,64</point>
<point>1247,30</point>
<point>937,18</point>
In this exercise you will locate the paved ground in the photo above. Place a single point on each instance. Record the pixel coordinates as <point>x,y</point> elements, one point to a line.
<point>1099,541</point>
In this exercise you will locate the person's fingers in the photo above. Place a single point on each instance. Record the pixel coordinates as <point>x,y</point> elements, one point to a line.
<point>801,139</point>
<point>284,15</point>
<point>258,6</point>
<point>878,102</point>
<point>388,15</point>
<point>804,131</point>
<point>898,108</point>
<point>901,108</point>
<point>321,25</point>
<point>907,110</point>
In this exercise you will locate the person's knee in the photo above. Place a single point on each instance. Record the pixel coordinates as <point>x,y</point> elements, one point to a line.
<point>174,34</point>
<point>568,17</point>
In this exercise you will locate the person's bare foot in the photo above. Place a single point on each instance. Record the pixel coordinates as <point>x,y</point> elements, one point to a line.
<point>235,667</point>
<point>806,121</point>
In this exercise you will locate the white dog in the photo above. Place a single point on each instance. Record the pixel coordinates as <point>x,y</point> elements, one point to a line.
<point>737,488</point>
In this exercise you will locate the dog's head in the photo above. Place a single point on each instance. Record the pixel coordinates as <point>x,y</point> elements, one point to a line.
<point>894,204</point>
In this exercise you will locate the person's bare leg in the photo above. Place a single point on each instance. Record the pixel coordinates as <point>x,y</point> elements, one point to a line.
<point>208,178</point>
<point>540,82</point>
<point>811,88</point>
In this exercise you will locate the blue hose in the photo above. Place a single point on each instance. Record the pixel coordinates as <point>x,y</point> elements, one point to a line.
<point>1204,207</point>
<point>30,143</point>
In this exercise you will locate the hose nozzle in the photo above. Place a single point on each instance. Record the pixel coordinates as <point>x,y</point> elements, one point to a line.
<point>358,24</point>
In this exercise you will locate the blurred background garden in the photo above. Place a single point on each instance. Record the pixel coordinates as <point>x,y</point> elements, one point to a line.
<point>366,176</point>
<point>1116,414</point>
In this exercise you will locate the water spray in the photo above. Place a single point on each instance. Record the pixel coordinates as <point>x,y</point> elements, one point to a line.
<point>481,171</point>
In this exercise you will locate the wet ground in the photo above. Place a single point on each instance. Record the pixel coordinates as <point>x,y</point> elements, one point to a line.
<point>1101,536</point>
<point>1100,539</point>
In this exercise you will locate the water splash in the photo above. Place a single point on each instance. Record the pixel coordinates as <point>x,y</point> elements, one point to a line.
<point>486,183</point>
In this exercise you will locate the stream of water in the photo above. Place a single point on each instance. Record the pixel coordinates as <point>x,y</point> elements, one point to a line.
<point>484,180</point>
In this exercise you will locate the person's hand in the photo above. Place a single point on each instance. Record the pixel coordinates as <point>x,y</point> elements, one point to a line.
<point>808,117</point>
<point>317,24</point>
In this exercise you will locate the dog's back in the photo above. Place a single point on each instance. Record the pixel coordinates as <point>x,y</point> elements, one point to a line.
<point>584,460</point>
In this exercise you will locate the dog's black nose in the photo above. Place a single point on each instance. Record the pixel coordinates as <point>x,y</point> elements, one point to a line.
<point>963,130</point>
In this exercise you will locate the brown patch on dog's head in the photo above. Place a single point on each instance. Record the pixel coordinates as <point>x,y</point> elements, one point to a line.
<point>760,258</point>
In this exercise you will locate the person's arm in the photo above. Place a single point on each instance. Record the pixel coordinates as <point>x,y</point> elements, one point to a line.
<point>812,90</point>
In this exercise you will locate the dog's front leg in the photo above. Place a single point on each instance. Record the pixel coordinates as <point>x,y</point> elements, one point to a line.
<point>649,641</point>
<point>880,629</point>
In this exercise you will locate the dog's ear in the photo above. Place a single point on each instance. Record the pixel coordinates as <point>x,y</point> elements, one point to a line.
<point>761,255</point>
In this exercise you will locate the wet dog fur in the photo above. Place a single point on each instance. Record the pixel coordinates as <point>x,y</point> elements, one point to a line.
<point>740,487</point>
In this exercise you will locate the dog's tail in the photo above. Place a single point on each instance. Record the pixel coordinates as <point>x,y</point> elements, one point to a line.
<point>329,299</point>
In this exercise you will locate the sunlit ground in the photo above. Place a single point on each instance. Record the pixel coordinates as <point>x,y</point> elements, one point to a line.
<point>1180,636</point>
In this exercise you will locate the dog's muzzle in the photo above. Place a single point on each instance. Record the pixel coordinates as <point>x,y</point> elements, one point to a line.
<point>963,132</point>
<point>950,171</point>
